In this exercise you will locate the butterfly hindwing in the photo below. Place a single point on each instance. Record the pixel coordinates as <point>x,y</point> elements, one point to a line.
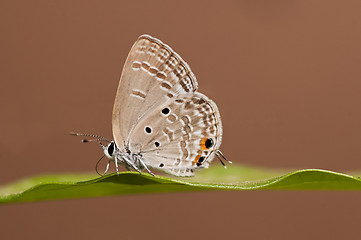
<point>180,135</point>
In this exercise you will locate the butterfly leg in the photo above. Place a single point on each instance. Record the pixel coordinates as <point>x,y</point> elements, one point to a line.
<point>116,165</point>
<point>128,168</point>
<point>107,168</point>
<point>145,166</point>
<point>132,165</point>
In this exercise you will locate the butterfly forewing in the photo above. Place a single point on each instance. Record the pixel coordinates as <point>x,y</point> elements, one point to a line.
<point>153,74</point>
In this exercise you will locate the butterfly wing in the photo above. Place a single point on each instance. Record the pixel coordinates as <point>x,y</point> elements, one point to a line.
<point>182,134</point>
<point>153,73</point>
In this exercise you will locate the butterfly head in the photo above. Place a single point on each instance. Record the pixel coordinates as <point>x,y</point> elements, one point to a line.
<point>110,149</point>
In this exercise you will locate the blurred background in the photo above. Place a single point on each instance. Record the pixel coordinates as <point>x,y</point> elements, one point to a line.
<point>285,75</point>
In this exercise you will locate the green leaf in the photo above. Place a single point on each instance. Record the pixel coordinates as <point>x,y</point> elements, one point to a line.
<point>216,178</point>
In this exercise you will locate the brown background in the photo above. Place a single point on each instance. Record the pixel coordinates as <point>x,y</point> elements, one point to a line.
<point>285,75</point>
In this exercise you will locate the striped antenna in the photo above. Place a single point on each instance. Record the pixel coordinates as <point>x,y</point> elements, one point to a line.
<point>98,138</point>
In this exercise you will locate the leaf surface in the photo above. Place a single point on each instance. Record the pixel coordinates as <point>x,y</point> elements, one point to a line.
<point>66,186</point>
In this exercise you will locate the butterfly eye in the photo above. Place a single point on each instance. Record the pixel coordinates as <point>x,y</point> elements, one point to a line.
<point>161,165</point>
<point>111,149</point>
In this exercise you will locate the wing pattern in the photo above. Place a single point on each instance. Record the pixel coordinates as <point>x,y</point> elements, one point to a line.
<point>152,74</point>
<point>159,114</point>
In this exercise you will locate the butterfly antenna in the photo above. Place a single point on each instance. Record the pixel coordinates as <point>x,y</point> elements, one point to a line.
<point>98,138</point>
<point>220,156</point>
<point>96,166</point>
<point>92,140</point>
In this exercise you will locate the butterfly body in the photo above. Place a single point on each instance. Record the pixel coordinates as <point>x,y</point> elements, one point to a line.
<point>159,120</point>
<point>126,157</point>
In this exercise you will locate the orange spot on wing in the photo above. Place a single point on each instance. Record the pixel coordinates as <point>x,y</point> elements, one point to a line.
<point>203,144</point>
<point>195,161</point>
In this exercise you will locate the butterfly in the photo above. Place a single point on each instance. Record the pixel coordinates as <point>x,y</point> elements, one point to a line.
<point>159,119</point>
